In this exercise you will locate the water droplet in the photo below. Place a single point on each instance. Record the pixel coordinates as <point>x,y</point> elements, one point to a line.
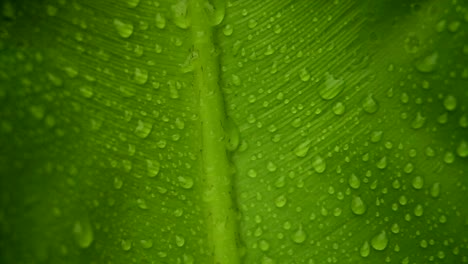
<point>364,251</point>
<point>358,206</point>
<point>143,129</point>
<point>232,135</point>
<point>252,23</point>
<point>153,167</point>
<point>302,149</point>
<point>462,149</point>
<point>395,228</point>
<point>86,91</point>
<point>146,244</point>
<point>427,64</point>
<point>228,29</point>
<point>180,240</point>
<point>280,201</point>
<point>179,14</point>
<point>83,232</point>
<point>271,167</point>
<point>380,241</point>
<point>299,236</point>
<point>354,181</point>
<point>418,210</point>
<point>217,10</point>
<point>450,102</point>
<point>140,76</point>
<point>51,10</point>
<point>185,182</point>
<point>382,163</point>
<point>160,21</point>
<point>125,29</point>
<point>370,105</point>
<point>263,245</point>
<point>133,3</point>
<point>252,173</point>
<point>126,244</point>
<point>142,203</point>
<point>319,164</point>
<point>331,87</point>
<point>418,182</point>
<point>304,75</point>
<point>118,183</point>
<point>339,108</point>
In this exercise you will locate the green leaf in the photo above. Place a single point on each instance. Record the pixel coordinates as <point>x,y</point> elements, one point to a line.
<point>205,131</point>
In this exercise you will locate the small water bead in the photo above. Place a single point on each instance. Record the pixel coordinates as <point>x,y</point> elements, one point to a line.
<point>143,129</point>
<point>331,87</point>
<point>364,251</point>
<point>358,206</point>
<point>339,108</point>
<point>435,190</point>
<point>418,182</point>
<point>235,79</point>
<point>462,149</point>
<point>380,241</point>
<point>146,244</point>
<point>419,121</point>
<point>126,244</point>
<point>228,29</point>
<point>428,64</point>
<point>370,105</point>
<point>450,102</point>
<point>180,14</point>
<point>86,91</point>
<point>153,167</point>
<point>252,23</point>
<point>51,10</point>
<point>185,182</point>
<point>395,228</point>
<point>418,210</point>
<point>382,163</point>
<point>280,201</point>
<point>160,21</point>
<point>133,3</point>
<point>142,204</point>
<point>376,136</point>
<point>140,76</point>
<point>299,236</point>
<point>252,173</point>
<point>304,75</point>
<point>83,232</point>
<point>125,29</point>
<point>302,149</point>
<point>354,181</point>
<point>263,245</point>
<point>449,157</point>
<point>180,240</point>
<point>319,164</point>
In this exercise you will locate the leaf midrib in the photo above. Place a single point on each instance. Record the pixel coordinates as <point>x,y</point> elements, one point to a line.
<point>217,184</point>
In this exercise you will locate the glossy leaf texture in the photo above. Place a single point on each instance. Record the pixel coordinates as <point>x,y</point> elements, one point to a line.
<point>346,129</point>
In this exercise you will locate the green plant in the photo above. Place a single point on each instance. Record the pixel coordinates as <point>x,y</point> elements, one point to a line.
<point>198,131</point>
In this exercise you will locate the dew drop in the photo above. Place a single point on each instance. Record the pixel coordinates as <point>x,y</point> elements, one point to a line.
<point>185,182</point>
<point>126,244</point>
<point>143,129</point>
<point>299,236</point>
<point>118,183</point>
<point>142,203</point>
<point>86,91</point>
<point>331,87</point>
<point>339,108</point>
<point>179,14</point>
<point>228,29</point>
<point>146,244</point>
<point>358,206</point>
<point>160,21</point>
<point>354,181</point>
<point>450,102</point>
<point>319,164</point>
<point>462,149</point>
<point>153,167</point>
<point>364,251</point>
<point>304,75</point>
<point>83,232</point>
<point>418,182</point>
<point>427,64</point>
<point>125,29</point>
<point>302,149</point>
<point>382,163</point>
<point>180,240</point>
<point>380,241</point>
<point>140,76</point>
<point>370,105</point>
<point>133,3</point>
<point>280,201</point>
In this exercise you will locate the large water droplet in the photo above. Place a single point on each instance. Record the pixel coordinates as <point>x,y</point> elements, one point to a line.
<point>450,102</point>
<point>380,241</point>
<point>418,182</point>
<point>319,164</point>
<point>354,181</point>
<point>331,87</point>
<point>180,240</point>
<point>428,63</point>
<point>462,149</point>
<point>180,14</point>
<point>299,236</point>
<point>358,206</point>
<point>125,29</point>
<point>364,251</point>
<point>369,104</point>
<point>83,232</point>
<point>153,167</point>
<point>302,149</point>
<point>143,129</point>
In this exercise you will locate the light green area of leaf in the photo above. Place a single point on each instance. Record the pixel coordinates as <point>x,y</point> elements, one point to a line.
<point>196,131</point>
